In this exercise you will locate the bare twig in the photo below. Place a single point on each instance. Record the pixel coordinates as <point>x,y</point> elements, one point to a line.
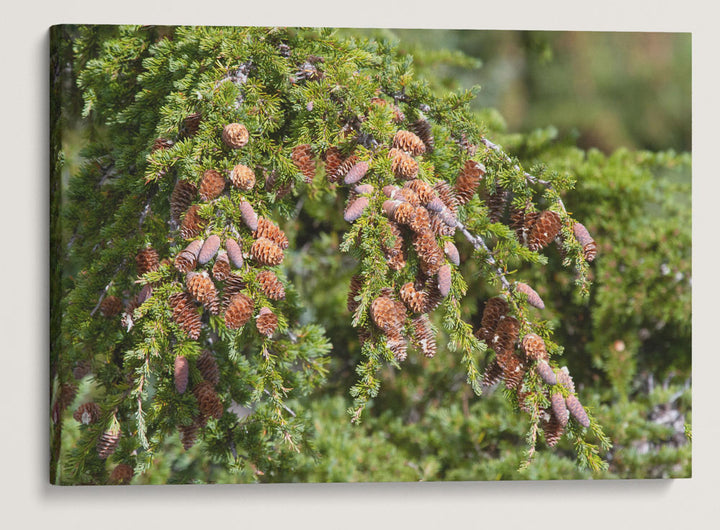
<point>479,243</point>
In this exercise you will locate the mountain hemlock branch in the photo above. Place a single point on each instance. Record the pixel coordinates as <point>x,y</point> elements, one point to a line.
<point>209,146</point>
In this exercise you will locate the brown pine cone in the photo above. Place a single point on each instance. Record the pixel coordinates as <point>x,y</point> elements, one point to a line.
<point>424,191</point>
<point>209,249</point>
<point>446,194</point>
<point>181,373</point>
<point>302,158</point>
<point>355,209</point>
<point>434,298</point>
<point>495,309</point>
<point>234,252</point>
<point>353,291</point>
<point>534,347</point>
<point>266,322</point>
<point>211,185</point>
<point>522,220</point>
<point>414,299</point>
<point>192,224</point>
<point>429,252</point>
<point>239,311</point>
<point>559,409</point>
<point>513,370</point>
<point>408,142</point>
<point>266,252</point>
<point>403,165</point>
<point>81,369</point>
<point>161,144</point>
<point>233,285</point>
<point>235,135</point>
<point>110,306</point>
<point>424,131</point>
<point>333,159</point>
<point>420,221</point>
<point>266,228</point>
<point>587,242</point>
<point>406,194</point>
<point>343,168</point>
<point>493,374</point>
<point>444,280</point>
<point>185,314</point>
<point>186,260</point>
<point>87,413</point>
<point>190,125</point>
<point>188,434</point>
<point>552,429</point>
<point>356,173</point>
<point>577,411</point>
<point>383,311</point>
<point>397,344</point>
<point>208,401</point>
<point>181,198</point>
<point>496,203</point>
<point>564,378</point>
<point>221,268</point>
<point>452,253</point>
<point>147,260</point>
<point>270,285</point>
<point>203,289</point>
<point>544,231</point>
<point>506,334</point>
<point>424,336</point>
<point>243,177</point>
<point>208,367</point>
<point>248,215</point>
<point>122,474</point>
<point>532,296</point>
<point>108,442</point>
<point>468,181</point>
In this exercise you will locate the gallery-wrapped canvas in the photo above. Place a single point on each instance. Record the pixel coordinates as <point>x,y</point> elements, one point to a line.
<point>322,255</point>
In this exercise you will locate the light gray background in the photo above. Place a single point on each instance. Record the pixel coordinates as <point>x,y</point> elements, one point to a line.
<point>27,501</point>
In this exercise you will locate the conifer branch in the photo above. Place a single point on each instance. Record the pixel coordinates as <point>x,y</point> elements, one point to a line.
<point>479,244</point>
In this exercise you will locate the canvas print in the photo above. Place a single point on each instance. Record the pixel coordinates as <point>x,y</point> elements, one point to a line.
<point>362,255</point>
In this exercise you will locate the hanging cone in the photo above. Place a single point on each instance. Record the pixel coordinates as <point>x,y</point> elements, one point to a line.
<point>587,242</point>
<point>424,131</point>
<point>577,411</point>
<point>333,159</point>
<point>87,413</point>
<point>552,429</point>
<point>506,334</point>
<point>420,222</point>
<point>266,322</point>
<point>192,224</point>
<point>452,253</point>
<point>209,249</point>
<point>203,290</point>
<point>188,434</point>
<point>266,228</point>
<point>211,185</point>
<point>344,167</point>
<point>559,409</point>
<point>534,347</point>
<point>424,191</point>
<point>235,135</point>
<point>234,252</point>
<point>181,198</point>
<point>243,177</point>
<point>403,165</point>
<point>383,311</point>
<point>414,299</point>
<point>186,260</point>
<point>221,268</point>
<point>353,291</point>
<point>563,377</point>
<point>248,215</point>
<point>190,125</point>
<point>266,252</point>
<point>122,474</point>
<point>493,374</point>
<point>408,142</point>
<point>185,314</point>
<point>495,309</point>
<point>302,158</point>
<point>147,260</point>
<point>424,336</point>
<point>233,285</point>
<point>355,209</point>
<point>545,229</point>
<point>208,400</point>
<point>429,252</point>
<point>546,373</point>
<point>444,280</point>
<point>356,173</point>
<point>181,374</point>
<point>208,367</point>
<point>270,285</point>
<point>533,298</point>
<point>108,442</point>
<point>239,311</point>
<point>110,306</point>
<point>468,181</point>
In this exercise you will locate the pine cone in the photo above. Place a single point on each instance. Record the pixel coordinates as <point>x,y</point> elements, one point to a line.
<point>233,285</point>
<point>243,177</point>
<point>496,202</point>
<point>186,314</point>
<point>403,165</point>
<point>446,194</point>
<point>424,191</point>
<point>533,298</point>
<point>203,289</point>
<point>108,442</point>
<point>209,249</point>
<point>513,370</point>
<point>144,294</point>
<point>364,189</point>
<point>577,411</point>
<point>181,198</point>
<point>239,311</point>
<point>452,253</point>
<point>401,212</point>
<point>87,413</point>
<point>333,159</point>
<point>429,252</point>
<point>545,229</point>
<point>559,409</point>
<point>563,377</point>
<point>190,125</point>
<point>353,291</point>
<point>506,335</point>
<point>467,145</point>
<point>383,311</point>
<point>188,434</point>
<point>208,401</point>
<point>186,260</point>
<point>161,144</point>
<point>395,254</point>
<point>424,337</point>
<point>468,181</point>
<point>270,285</point>
<point>208,367</point>
<point>493,374</point>
<point>234,252</point>
<point>546,373</point>
<point>552,429</point>
<point>221,268</point>
<point>421,221</point>
<point>356,173</point>
<point>406,194</point>
<point>147,260</point>
<point>409,142</point>
<point>587,242</point>
<point>534,347</point>
<point>110,306</point>
<point>397,344</point>
<point>444,280</point>
<point>302,158</point>
<point>211,185</point>
<point>181,374</point>
<point>266,252</point>
<point>235,135</point>
<point>522,220</point>
<point>266,322</point>
<point>495,309</point>
<point>424,131</point>
<point>414,299</point>
<point>355,209</point>
<point>192,224</point>
<point>266,228</point>
<point>343,168</point>
<point>122,474</point>
<point>248,215</point>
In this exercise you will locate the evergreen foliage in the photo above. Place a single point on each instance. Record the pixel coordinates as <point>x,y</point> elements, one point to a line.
<point>326,114</point>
